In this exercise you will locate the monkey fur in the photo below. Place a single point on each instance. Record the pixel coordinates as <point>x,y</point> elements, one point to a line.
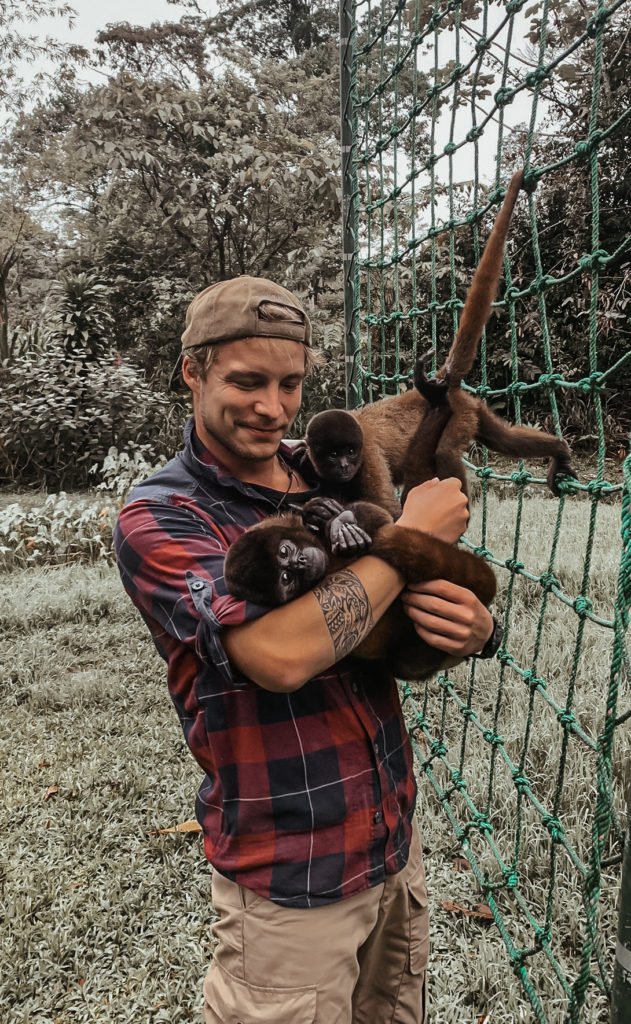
<point>424,432</point>
<point>281,558</point>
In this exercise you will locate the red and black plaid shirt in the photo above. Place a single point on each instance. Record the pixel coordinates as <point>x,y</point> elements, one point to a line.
<point>308,796</point>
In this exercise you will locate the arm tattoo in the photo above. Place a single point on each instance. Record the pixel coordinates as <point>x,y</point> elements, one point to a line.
<point>346,609</point>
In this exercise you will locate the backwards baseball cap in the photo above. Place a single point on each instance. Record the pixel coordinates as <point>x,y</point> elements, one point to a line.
<point>244,307</point>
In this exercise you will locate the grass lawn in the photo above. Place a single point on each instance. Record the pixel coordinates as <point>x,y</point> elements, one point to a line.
<point>106,920</point>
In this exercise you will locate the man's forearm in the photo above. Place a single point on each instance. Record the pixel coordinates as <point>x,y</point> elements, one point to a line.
<point>291,644</point>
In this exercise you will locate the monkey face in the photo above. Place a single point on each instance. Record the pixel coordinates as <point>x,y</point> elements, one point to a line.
<point>298,566</point>
<point>339,464</point>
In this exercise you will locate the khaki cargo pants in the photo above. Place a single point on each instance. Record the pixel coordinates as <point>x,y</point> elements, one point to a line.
<point>359,961</point>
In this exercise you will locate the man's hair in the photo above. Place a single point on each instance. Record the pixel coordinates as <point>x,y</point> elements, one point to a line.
<point>201,358</point>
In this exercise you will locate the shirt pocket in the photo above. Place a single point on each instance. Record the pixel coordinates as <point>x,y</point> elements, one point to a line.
<point>236,1002</point>
<point>418,922</point>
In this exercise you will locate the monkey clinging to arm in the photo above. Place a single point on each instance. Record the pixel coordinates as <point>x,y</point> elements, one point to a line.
<point>281,558</point>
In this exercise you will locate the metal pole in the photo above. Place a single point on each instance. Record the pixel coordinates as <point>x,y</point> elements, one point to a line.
<point>349,200</point>
<point>621,987</point>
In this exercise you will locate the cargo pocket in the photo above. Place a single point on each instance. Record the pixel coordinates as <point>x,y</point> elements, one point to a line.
<point>419,923</point>
<point>228,1000</point>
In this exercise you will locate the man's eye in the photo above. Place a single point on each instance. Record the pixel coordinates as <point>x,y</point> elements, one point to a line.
<point>292,386</point>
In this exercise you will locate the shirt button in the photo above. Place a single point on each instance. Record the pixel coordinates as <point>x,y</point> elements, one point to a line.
<point>376,745</point>
<point>197,585</point>
<point>377,817</point>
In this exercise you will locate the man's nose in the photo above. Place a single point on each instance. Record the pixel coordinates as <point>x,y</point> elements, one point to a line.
<point>268,404</point>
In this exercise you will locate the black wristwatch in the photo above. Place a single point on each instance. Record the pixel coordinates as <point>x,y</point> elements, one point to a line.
<point>492,645</point>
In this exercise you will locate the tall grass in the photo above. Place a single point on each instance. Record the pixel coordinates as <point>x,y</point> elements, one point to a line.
<point>105,920</point>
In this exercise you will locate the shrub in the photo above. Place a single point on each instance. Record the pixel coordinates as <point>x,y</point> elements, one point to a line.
<point>58,416</point>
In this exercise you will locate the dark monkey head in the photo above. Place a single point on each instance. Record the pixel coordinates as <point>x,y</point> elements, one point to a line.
<point>274,565</point>
<point>335,442</point>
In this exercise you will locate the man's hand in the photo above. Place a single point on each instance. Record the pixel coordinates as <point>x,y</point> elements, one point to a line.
<point>448,617</point>
<point>437,507</point>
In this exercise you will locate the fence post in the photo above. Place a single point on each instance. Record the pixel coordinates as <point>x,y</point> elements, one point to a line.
<point>621,987</point>
<point>349,202</point>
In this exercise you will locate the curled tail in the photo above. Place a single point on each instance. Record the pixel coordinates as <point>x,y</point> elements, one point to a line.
<point>477,307</point>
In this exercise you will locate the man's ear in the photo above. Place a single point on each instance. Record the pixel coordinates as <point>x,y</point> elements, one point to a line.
<point>190,379</point>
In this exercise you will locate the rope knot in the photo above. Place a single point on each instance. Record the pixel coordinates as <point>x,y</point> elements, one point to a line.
<point>503,96</point>
<point>512,293</point>
<point>550,381</point>
<point>511,879</point>
<point>548,580</point>
<point>468,713</point>
<point>493,738</point>
<point>432,91</point>
<point>483,391</point>
<point>458,781</point>
<point>554,827</point>
<point>458,72</point>
<point>521,476</point>
<point>533,680</point>
<point>518,387</point>
<point>438,749</point>
<point>482,46</point>
<point>594,260</point>
<point>484,472</point>
<point>514,6</point>
<point>482,823</point>
<point>593,383</point>
<point>530,180</point>
<point>481,551</point>
<point>539,285</point>
<point>513,564</point>
<point>534,78</point>
<point>521,782</point>
<point>450,148</point>
<point>567,719</point>
<point>517,960</point>
<point>582,606</point>
<point>476,215</point>
<point>597,22</point>
<point>598,487</point>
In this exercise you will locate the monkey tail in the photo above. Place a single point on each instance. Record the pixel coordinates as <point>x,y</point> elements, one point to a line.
<point>477,307</point>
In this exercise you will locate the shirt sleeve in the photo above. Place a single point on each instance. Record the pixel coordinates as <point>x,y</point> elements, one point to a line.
<point>171,563</point>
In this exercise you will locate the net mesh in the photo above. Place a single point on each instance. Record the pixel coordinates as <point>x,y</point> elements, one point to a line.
<point>528,755</point>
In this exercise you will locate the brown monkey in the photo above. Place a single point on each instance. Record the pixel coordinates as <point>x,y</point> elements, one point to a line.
<point>334,445</point>
<point>424,432</point>
<point>281,558</point>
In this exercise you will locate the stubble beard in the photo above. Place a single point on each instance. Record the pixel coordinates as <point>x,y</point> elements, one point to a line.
<point>243,452</point>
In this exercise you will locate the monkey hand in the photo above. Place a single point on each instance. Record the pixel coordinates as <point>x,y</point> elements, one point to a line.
<point>345,536</point>
<point>437,507</point>
<point>318,513</point>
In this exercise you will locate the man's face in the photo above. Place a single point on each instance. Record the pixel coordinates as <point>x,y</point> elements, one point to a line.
<point>250,397</point>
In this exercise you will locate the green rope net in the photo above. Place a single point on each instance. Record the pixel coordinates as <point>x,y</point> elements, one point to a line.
<point>528,755</point>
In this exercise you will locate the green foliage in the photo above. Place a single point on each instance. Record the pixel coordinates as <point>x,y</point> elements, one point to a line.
<point>58,416</point>
<point>61,530</point>
<point>122,470</point>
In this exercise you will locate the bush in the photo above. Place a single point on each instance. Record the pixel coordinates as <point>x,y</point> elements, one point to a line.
<point>58,416</point>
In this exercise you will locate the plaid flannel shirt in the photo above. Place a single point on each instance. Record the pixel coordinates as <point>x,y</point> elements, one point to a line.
<point>308,796</point>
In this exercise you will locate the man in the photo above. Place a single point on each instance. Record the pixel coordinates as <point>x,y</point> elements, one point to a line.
<point>307,805</point>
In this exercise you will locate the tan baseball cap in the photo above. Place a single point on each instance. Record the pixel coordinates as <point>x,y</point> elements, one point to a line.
<point>244,307</point>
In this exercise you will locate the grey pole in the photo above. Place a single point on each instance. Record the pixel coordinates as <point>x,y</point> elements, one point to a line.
<point>349,200</point>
